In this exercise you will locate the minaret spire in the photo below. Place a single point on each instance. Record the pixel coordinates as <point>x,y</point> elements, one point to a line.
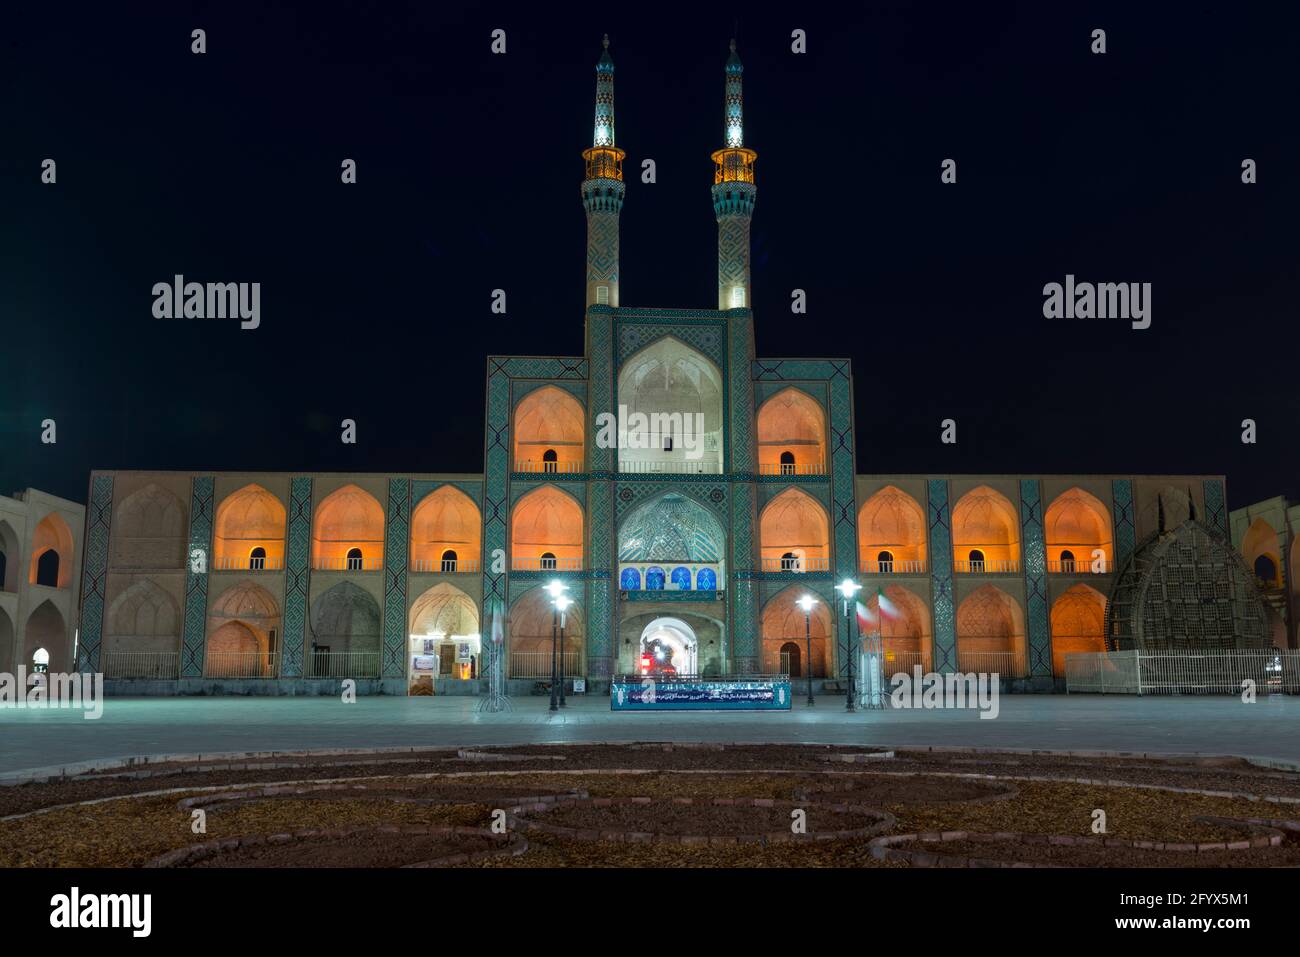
<point>733,192</point>
<point>602,190</point>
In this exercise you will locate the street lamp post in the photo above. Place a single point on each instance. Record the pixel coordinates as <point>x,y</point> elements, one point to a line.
<point>556,589</point>
<point>561,604</point>
<point>848,588</point>
<point>806,603</point>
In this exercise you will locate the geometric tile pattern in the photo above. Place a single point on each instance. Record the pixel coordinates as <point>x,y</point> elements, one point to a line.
<point>297,577</point>
<point>1035,557</point>
<point>396,537</point>
<point>1216,508</point>
<point>196,582</point>
<point>705,338</point>
<point>940,549</point>
<point>600,495</point>
<point>1125,532</point>
<point>99,519</point>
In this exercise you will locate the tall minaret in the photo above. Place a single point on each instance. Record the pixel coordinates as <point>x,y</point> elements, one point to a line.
<point>733,194</point>
<point>602,191</point>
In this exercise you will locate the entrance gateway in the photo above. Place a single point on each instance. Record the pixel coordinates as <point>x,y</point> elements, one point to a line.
<point>669,647</point>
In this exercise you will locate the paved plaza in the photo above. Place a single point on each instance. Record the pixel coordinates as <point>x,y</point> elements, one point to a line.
<point>1268,728</point>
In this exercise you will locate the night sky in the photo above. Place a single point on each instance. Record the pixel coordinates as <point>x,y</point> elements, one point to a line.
<point>375,297</point>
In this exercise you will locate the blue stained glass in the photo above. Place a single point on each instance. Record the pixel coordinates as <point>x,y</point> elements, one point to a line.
<point>630,580</point>
<point>681,577</point>
<point>654,578</point>
<point>706,580</point>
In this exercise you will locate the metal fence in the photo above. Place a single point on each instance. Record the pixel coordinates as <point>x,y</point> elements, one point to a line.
<point>1211,672</point>
<point>1006,664</point>
<point>343,664</point>
<point>240,664</point>
<point>164,665</point>
<point>537,664</point>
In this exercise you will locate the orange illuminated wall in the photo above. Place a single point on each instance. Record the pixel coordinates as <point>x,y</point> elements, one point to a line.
<point>548,420</point>
<point>891,521</point>
<point>794,522</point>
<point>905,626</point>
<point>546,521</point>
<point>1078,523</point>
<point>447,520</point>
<point>791,422</point>
<point>348,518</point>
<point>784,621</point>
<point>986,520</point>
<point>530,623</point>
<point>248,519</point>
<point>990,621</point>
<point>52,534</point>
<point>1078,624</point>
<point>1260,541</point>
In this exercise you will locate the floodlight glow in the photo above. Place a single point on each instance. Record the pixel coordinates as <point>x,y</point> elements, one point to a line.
<point>848,588</point>
<point>557,588</point>
<point>806,602</point>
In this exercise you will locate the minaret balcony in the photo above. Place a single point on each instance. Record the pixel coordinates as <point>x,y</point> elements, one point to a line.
<point>604,162</point>
<point>734,165</point>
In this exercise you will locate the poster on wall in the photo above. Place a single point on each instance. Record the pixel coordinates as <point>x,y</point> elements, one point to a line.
<point>646,693</point>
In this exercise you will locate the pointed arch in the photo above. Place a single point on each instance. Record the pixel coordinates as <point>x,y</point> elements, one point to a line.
<point>7,663</point>
<point>247,520</point>
<point>673,396</point>
<point>243,633</point>
<point>784,622</point>
<point>529,632</point>
<point>143,618</point>
<point>904,628</point>
<point>891,533</point>
<point>1259,547</point>
<point>547,521</point>
<point>150,529</point>
<point>52,553</point>
<point>1078,624</point>
<point>446,520</point>
<point>991,633</point>
<point>348,520</point>
<point>46,628</point>
<point>549,431</point>
<point>794,533</point>
<point>443,611</point>
<point>346,619</point>
<point>12,557</point>
<point>791,434</point>
<point>1075,526</point>
<point>985,532</point>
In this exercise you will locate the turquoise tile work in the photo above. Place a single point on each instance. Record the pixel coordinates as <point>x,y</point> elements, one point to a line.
<point>199,560</point>
<point>397,537</point>
<point>297,578</point>
<point>940,539</point>
<point>1034,554</point>
<point>1121,491</point>
<point>99,520</point>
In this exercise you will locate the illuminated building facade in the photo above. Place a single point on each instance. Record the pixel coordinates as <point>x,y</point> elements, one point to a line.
<point>686,491</point>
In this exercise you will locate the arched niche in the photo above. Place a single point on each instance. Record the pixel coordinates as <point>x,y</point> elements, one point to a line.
<point>549,433</point>
<point>671,407</point>
<point>991,633</point>
<point>249,530</point>
<point>52,553</point>
<point>985,532</point>
<point>784,622</point>
<point>891,533</point>
<point>791,434</point>
<point>794,533</point>
<point>1076,526</point>
<point>446,532</point>
<point>348,531</point>
<point>546,530</point>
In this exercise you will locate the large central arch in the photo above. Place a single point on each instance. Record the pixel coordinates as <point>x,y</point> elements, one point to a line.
<point>669,646</point>
<point>664,390</point>
<point>671,542</point>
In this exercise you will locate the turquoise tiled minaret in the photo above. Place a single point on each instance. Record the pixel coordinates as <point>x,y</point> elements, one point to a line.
<point>733,194</point>
<point>602,191</point>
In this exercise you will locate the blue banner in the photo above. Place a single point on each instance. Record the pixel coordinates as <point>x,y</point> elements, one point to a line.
<point>656,694</point>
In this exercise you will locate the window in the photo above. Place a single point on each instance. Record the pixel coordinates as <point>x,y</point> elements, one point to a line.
<point>257,558</point>
<point>1266,570</point>
<point>790,562</point>
<point>738,297</point>
<point>47,568</point>
<point>668,443</point>
<point>354,560</point>
<point>449,560</point>
<point>550,461</point>
<point>976,560</point>
<point>602,295</point>
<point>886,562</point>
<point>787,463</point>
<point>548,560</point>
<point>1067,561</point>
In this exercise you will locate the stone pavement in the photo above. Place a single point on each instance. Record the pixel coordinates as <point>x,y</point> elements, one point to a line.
<point>1269,728</point>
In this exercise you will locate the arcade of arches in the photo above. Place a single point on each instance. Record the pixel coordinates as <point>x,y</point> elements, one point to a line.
<point>249,530</point>
<point>446,532</point>
<point>348,531</point>
<point>546,530</point>
<point>548,432</point>
<point>784,624</point>
<point>985,532</point>
<point>791,434</point>
<point>891,533</point>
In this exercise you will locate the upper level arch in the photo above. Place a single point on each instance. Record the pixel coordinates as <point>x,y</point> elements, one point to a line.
<point>549,431</point>
<point>985,532</point>
<point>794,533</point>
<point>546,531</point>
<point>891,534</point>
<point>348,521</point>
<point>791,434</point>
<point>52,553</point>
<point>1076,526</point>
<point>249,520</point>
<point>446,532</point>
<point>672,409</point>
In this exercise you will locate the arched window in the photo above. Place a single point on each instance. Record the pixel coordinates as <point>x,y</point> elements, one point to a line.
<point>654,578</point>
<point>706,579</point>
<point>790,562</point>
<point>976,558</point>
<point>1266,570</point>
<point>449,560</point>
<point>548,560</point>
<point>354,560</point>
<point>1067,561</point>
<point>790,659</point>
<point>630,580</point>
<point>787,463</point>
<point>47,569</point>
<point>681,578</point>
<point>257,558</point>
<point>550,461</point>
<point>885,559</point>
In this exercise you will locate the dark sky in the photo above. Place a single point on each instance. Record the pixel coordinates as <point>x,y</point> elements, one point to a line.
<point>375,297</point>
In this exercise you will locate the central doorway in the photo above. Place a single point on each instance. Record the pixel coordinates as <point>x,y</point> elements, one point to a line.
<point>669,647</point>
